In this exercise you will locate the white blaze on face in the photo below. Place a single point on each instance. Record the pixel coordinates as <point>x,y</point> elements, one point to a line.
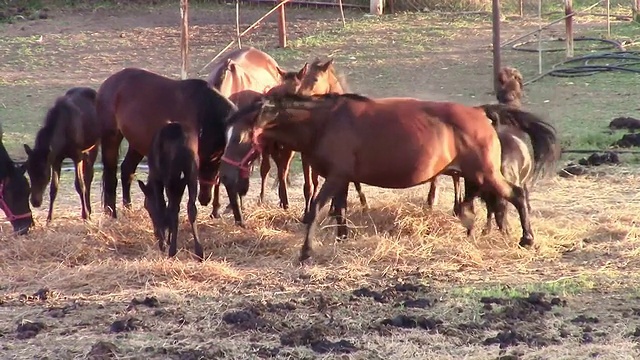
<point>229,133</point>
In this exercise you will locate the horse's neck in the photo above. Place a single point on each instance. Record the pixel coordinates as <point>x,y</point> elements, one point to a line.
<point>296,132</point>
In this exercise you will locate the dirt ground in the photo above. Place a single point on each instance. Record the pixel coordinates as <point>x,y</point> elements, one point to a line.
<point>407,285</point>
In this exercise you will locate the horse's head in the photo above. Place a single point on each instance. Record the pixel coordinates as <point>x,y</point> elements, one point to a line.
<point>242,143</point>
<point>290,81</point>
<point>320,78</point>
<point>511,87</point>
<point>14,199</point>
<point>156,206</point>
<point>39,171</point>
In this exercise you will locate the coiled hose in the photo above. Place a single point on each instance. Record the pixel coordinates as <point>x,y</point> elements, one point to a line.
<point>620,60</point>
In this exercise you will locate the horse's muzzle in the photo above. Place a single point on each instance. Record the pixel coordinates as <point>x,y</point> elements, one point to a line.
<point>21,226</point>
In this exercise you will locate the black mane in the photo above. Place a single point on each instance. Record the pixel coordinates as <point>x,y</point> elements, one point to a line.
<point>245,110</point>
<point>296,97</point>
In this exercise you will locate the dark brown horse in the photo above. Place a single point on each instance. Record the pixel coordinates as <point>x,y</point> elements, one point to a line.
<point>347,138</point>
<point>172,167</point>
<point>243,76</point>
<point>70,131</point>
<point>14,192</point>
<point>134,104</point>
<point>517,162</point>
<point>516,167</point>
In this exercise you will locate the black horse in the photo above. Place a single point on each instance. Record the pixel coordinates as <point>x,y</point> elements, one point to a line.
<point>172,167</point>
<point>70,130</point>
<point>14,192</point>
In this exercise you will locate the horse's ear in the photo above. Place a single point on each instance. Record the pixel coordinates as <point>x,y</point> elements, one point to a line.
<point>27,150</point>
<point>300,75</point>
<point>143,187</point>
<point>281,72</point>
<point>326,65</point>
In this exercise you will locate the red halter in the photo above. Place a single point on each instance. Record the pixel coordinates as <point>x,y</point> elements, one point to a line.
<point>3,205</point>
<point>245,164</point>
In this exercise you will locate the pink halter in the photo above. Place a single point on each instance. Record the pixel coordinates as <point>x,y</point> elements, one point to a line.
<point>3,205</point>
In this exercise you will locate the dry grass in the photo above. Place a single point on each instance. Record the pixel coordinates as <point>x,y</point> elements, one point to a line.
<point>588,234</point>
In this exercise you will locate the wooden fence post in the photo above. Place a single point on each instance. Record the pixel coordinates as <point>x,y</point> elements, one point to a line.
<point>282,27</point>
<point>568,23</point>
<point>184,38</point>
<point>496,43</point>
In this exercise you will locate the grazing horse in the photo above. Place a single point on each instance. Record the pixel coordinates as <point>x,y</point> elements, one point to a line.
<point>14,192</point>
<point>70,130</point>
<point>135,103</point>
<point>243,76</point>
<point>172,167</point>
<point>347,138</point>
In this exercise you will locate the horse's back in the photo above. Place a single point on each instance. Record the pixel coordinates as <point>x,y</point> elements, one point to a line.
<point>170,155</point>
<point>253,70</point>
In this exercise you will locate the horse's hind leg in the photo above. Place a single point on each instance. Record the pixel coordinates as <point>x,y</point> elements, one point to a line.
<point>363,198</point>
<point>340,209</point>
<point>265,167</point>
<point>127,172</point>
<point>433,192</point>
<point>56,167</point>
<point>81,186</point>
<point>88,175</point>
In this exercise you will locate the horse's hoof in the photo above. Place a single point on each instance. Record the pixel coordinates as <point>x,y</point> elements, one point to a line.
<point>485,231</point>
<point>241,224</point>
<point>305,260</point>
<point>214,215</point>
<point>341,238</point>
<point>526,242</point>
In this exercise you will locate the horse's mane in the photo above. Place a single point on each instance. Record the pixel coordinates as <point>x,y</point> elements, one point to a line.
<point>243,111</point>
<point>6,163</point>
<point>319,97</point>
<point>213,108</point>
<point>45,135</point>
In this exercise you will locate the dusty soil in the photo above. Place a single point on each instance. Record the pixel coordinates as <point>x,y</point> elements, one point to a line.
<point>407,285</point>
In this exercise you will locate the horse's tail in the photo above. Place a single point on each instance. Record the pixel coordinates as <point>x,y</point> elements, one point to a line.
<point>546,147</point>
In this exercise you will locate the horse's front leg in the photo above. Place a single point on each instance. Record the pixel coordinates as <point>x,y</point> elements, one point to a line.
<point>265,167</point>
<point>127,172</point>
<point>433,192</point>
<point>329,189</point>
<point>363,198</point>
<point>306,187</point>
<point>340,209</point>
<point>283,163</point>
<point>466,211</point>
<point>56,167</point>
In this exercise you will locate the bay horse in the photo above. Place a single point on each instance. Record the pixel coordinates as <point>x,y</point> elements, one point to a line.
<point>14,192</point>
<point>70,130</point>
<point>319,79</point>
<point>172,167</point>
<point>134,104</point>
<point>243,76</point>
<point>347,138</point>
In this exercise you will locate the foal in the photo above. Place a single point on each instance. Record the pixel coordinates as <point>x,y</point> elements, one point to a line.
<point>70,130</point>
<point>172,167</point>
